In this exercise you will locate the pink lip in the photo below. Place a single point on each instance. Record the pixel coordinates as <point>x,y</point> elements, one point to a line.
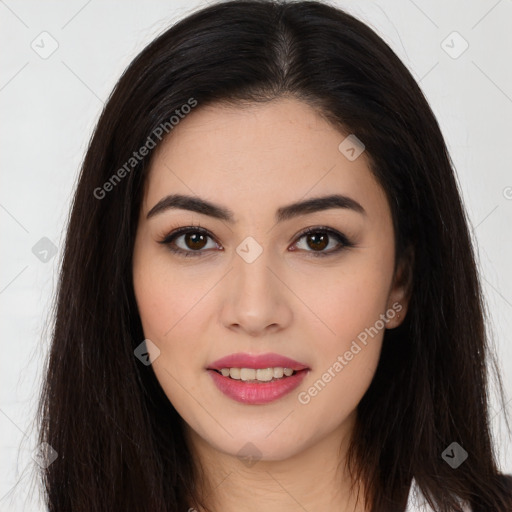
<point>243,360</point>
<point>254,393</point>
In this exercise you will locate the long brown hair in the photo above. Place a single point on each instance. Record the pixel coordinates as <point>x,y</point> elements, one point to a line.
<point>119,440</point>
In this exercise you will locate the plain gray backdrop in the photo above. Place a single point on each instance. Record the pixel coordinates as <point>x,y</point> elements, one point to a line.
<point>59,63</point>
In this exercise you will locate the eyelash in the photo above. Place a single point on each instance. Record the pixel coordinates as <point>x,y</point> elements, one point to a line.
<point>339,237</point>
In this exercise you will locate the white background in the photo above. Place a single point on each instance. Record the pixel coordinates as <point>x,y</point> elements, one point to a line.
<point>49,108</point>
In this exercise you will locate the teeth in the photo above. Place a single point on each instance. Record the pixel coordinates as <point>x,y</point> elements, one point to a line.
<point>278,373</point>
<point>234,373</point>
<point>246,373</point>
<point>260,374</point>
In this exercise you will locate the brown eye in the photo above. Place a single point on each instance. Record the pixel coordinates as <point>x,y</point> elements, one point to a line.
<point>317,241</point>
<point>319,238</point>
<point>188,241</point>
<point>195,241</point>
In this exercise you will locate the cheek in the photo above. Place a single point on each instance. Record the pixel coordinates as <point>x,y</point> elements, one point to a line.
<point>344,302</point>
<point>165,297</point>
<point>166,308</point>
<point>173,307</point>
<point>346,332</point>
<point>345,363</point>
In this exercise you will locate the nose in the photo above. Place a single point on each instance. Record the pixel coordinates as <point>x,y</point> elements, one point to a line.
<point>256,298</point>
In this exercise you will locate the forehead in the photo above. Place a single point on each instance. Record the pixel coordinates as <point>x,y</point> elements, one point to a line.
<point>258,154</point>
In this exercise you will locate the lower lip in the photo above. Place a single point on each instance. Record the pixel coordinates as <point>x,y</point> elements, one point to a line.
<point>255,393</point>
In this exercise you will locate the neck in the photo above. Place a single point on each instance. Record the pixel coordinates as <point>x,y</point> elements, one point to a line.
<point>313,479</point>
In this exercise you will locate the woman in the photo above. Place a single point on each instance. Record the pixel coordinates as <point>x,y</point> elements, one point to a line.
<point>268,296</point>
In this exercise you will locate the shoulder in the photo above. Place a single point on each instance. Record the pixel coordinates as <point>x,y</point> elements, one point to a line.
<point>416,501</point>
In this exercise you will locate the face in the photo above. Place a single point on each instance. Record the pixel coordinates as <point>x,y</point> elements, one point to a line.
<point>245,279</point>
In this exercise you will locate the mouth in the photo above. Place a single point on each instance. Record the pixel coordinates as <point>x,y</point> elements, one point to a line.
<point>257,379</point>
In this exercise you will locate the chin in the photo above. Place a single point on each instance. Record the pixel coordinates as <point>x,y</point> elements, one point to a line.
<point>252,449</point>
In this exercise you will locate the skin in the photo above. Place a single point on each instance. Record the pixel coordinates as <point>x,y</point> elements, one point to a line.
<point>253,160</point>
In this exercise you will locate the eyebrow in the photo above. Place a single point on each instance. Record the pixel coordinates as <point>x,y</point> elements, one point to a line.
<point>195,204</point>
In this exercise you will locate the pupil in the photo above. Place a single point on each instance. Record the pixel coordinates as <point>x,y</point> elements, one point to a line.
<point>195,237</point>
<point>317,244</point>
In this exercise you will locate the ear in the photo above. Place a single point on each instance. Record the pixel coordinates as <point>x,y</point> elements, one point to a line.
<point>401,288</point>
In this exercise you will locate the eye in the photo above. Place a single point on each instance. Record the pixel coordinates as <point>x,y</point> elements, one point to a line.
<point>194,241</point>
<point>318,238</point>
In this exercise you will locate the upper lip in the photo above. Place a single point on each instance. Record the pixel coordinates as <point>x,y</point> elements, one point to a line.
<point>243,360</point>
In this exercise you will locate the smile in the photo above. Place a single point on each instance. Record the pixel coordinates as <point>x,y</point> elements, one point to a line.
<point>256,379</point>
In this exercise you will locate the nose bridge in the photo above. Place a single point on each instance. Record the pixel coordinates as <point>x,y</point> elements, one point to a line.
<point>253,278</point>
<point>256,296</point>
